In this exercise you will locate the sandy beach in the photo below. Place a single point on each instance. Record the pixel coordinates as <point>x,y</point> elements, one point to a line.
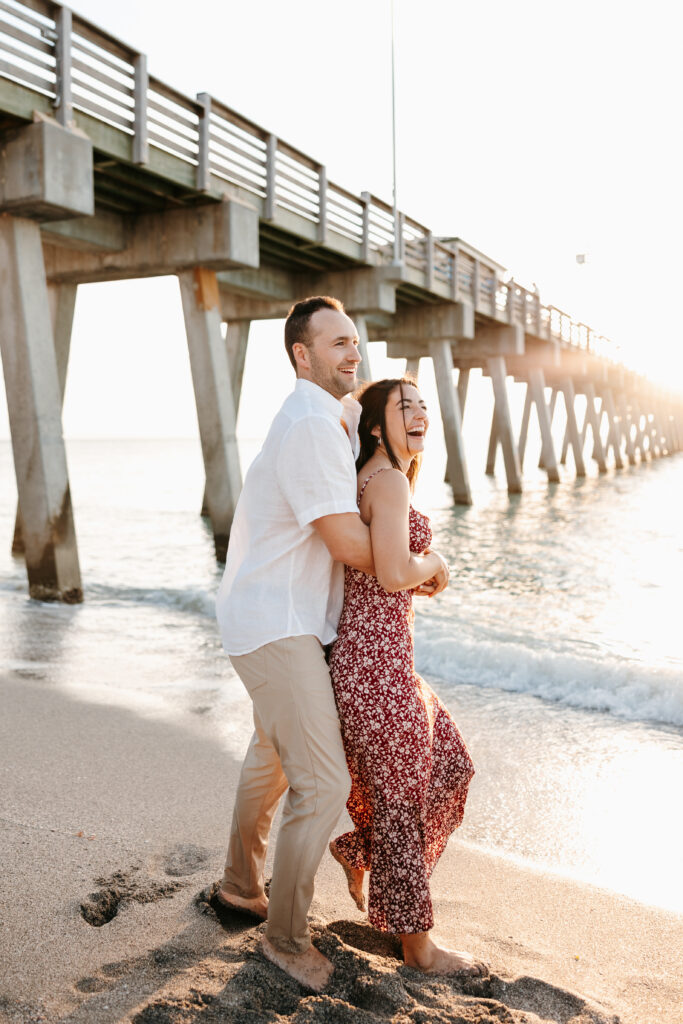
<point>113,831</point>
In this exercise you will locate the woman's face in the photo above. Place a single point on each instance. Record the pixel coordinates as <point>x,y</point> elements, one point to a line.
<point>406,421</point>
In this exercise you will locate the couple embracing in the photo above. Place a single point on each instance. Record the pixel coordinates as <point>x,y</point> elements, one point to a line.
<point>326,546</point>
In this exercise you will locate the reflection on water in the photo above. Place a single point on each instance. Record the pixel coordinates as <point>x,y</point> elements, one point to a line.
<point>564,605</point>
<point>578,791</point>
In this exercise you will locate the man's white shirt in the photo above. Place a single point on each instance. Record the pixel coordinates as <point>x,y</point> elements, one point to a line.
<point>280,579</point>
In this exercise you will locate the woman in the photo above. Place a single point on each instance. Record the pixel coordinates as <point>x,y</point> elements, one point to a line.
<point>409,767</point>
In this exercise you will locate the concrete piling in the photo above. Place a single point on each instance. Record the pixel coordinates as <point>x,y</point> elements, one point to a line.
<point>365,369</point>
<point>413,367</point>
<point>625,422</point>
<point>492,446</point>
<point>593,421</point>
<point>34,402</point>
<point>524,427</point>
<point>551,415</point>
<point>567,388</point>
<point>213,390</point>
<point>45,175</point>
<point>496,369</point>
<point>62,303</point>
<point>440,351</point>
<point>236,341</point>
<point>613,438</point>
<point>548,457</point>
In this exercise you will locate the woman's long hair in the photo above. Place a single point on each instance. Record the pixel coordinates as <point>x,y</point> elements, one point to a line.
<point>373,400</point>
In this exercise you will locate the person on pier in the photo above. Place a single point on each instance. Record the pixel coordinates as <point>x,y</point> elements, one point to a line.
<point>409,766</point>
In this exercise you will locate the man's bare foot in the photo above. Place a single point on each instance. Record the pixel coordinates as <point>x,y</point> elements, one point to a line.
<point>256,907</point>
<point>421,952</point>
<point>311,968</point>
<point>354,877</point>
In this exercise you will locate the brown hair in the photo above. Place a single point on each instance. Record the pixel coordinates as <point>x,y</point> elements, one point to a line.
<point>373,400</point>
<point>298,319</point>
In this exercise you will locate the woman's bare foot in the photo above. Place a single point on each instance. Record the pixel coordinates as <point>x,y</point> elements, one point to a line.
<point>257,907</point>
<point>354,877</point>
<point>310,968</point>
<point>421,952</point>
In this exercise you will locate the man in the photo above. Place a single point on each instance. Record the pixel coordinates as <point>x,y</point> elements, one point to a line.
<point>278,606</point>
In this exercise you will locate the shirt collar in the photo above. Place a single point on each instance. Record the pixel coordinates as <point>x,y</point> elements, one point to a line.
<point>347,409</point>
<point>351,416</point>
<point>323,399</point>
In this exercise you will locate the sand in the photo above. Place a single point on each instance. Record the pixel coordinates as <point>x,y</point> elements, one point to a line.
<point>113,827</point>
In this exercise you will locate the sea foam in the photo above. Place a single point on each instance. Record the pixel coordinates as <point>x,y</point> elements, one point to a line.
<point>622,687</point>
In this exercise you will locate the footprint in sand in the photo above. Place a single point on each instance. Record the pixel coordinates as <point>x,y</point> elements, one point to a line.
<point>102,906</point>
<point>185,859</point>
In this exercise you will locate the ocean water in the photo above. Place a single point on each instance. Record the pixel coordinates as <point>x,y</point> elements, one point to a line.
<point>558,646</point>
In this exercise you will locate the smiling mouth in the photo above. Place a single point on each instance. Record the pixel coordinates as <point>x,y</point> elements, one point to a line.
<point>416,433</point>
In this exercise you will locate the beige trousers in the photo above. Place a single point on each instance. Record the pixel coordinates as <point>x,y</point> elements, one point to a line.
<point>297,747</point>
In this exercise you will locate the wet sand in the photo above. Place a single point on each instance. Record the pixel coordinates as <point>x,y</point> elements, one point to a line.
<point>113,828</point>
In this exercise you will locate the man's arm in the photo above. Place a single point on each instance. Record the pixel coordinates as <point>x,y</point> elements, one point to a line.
<point>347,539</point>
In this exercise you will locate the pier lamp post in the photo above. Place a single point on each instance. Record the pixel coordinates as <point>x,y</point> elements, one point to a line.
<point>397,227</point>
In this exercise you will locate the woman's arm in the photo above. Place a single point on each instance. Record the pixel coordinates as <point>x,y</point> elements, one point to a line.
<point>386,504</point>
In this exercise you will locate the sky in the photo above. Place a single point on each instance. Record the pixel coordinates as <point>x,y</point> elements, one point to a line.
<point>535,131</point>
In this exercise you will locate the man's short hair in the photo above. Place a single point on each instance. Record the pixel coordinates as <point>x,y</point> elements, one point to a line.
<point>298,319</point>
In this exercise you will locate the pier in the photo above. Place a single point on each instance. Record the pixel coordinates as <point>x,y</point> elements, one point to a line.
<point>106,173</point>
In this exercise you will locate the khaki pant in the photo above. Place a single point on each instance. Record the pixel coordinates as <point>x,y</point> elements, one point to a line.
<point>296,744</point>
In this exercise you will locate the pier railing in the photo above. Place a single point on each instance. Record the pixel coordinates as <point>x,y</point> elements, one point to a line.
<point>79,67</point>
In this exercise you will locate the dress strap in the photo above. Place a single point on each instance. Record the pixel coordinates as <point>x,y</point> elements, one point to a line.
<point>367,481</point>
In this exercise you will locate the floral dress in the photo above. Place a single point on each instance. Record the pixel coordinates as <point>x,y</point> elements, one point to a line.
<point>409,766</point>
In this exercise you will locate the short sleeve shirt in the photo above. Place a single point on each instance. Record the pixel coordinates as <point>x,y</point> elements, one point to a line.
<point>280,580</point>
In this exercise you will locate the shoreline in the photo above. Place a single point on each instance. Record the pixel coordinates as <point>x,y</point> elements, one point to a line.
<point>93,792</point>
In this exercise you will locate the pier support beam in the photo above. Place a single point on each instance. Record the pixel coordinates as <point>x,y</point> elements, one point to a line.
<point>567,388</point>
<point>62,302</point>
<point>236,341</point>
<point>665,428</point>
<point>463,382</point>
<point>495,367</point>
<point>537,391</point>
<point>440,351</point>
<point>626,430</point>
<point>640,435</point>
<point>413,367</point>
<point>657,436</point>
<point>362,328</point>
<point>675,430</point>
<point>34,403</point>
<point>593,420</point>
<point>463,385</point>
<point>648,432</point>
<point>613,439</point>
<point>524,428</point>
<point>493,445</point>
<point>566,440</point>
<point>551,415</point>
<point>213,390</point>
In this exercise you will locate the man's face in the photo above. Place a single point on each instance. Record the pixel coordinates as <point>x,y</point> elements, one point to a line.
<point>331,358</point>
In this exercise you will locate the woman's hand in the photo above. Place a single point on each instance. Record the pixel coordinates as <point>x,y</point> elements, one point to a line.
<point>437,583</point>
<point>426,589</point>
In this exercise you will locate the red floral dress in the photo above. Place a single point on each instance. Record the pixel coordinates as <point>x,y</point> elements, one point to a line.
<point>409,766</point>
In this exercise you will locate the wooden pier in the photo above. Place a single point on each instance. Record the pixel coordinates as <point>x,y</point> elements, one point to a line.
<point>108,173</point>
